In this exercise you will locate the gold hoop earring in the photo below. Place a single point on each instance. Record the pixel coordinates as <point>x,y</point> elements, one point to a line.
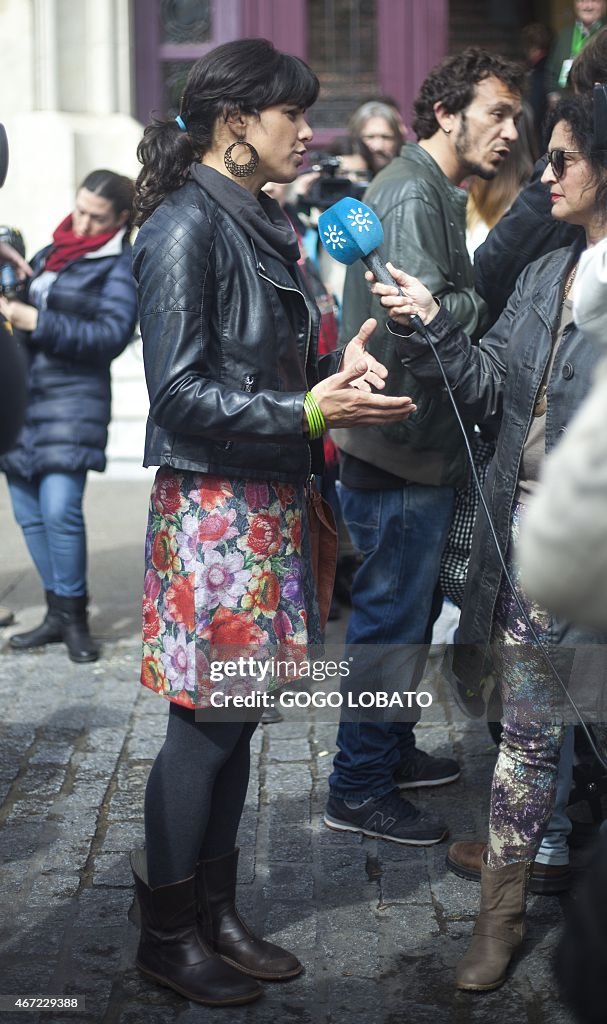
<point>241,170</point>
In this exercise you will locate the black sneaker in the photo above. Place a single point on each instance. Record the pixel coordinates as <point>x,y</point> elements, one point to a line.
<point>421,769</point>
<point>389,817</point>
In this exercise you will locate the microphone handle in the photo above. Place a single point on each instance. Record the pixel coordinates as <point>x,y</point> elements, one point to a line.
<point>381,274</point>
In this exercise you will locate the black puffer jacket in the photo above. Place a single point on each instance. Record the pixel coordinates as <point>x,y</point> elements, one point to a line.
<point>506,371</point>
<point>229,345</point>
<point>89,319</point>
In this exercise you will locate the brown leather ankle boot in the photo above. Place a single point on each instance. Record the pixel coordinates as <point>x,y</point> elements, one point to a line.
<point>227,933</point>
<point>172,950</point>
<point>464,859</point>
<point>499,928</point>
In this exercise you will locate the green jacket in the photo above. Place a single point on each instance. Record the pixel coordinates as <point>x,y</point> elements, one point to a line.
<point>561,51</point>
<point>424,221</point>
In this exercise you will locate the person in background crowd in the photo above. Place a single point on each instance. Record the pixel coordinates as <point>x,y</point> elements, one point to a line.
<point>14,374</point>
<point>377,131</point>
<point>590,16</point>
<point>237,412</point>
<point>535,367</point>
<point>352,174</point>
<point>536,41</point>
<point>489,199</point>
<point>397,485</point>
<point>79,313</point>
<point>355,167</point>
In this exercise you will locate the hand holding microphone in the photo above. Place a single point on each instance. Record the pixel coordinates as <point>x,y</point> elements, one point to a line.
<point>410,301</point>
<point>350,231</point>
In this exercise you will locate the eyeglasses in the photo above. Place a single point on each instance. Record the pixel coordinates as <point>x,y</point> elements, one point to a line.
<point>556,159</point>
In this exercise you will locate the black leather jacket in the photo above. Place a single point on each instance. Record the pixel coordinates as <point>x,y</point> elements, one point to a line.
<point>424,221</point>
<point>229,345</point>
<point>506,371</point>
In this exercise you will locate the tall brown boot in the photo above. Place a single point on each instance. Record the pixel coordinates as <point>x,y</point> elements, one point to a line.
<point>499,928</point>
<point>172,950</point>
<point>227,933</point>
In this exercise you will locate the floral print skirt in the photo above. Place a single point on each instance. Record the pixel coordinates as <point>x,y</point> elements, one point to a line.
<point>228,582</point>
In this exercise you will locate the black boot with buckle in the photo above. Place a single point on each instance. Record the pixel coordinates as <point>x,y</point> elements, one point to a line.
<point>172,950</point>
<point>227,933</point>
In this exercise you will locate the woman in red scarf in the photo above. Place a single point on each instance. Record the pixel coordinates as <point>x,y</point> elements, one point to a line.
<point>78,314</point>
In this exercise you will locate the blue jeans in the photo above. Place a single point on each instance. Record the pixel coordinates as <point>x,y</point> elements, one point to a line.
<point>49,511</point>
<point>401,534</point>
<point>553,847</point>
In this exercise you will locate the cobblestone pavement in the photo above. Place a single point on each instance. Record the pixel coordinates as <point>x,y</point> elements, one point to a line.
<point>378,927</point>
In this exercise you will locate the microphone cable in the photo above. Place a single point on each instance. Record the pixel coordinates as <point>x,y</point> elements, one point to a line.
<point>420,328</point>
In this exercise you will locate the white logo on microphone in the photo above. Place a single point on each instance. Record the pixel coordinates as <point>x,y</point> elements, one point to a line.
<point>360,219</point>
<point>334,237</point>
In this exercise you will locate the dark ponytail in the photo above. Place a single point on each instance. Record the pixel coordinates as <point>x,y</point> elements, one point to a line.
<point>166,152</point>
<point>246,75</point>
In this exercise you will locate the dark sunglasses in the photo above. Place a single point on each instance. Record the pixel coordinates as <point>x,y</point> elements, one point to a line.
<point>556,159</point>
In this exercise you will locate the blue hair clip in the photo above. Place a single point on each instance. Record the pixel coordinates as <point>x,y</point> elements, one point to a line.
<point>181,123</point>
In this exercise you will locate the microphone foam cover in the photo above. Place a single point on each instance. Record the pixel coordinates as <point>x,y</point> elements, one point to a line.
<point>349,230</point>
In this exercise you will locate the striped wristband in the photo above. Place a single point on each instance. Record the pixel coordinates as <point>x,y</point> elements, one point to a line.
<point>314,416</point>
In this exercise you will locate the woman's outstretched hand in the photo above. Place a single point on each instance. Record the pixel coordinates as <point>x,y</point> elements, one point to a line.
<point>344,402</point>
<point>416,298</point>
<point>356,352</point>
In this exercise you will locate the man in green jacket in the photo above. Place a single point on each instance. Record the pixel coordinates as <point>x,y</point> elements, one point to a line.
<point>397,483</point>
<point>590,17</point>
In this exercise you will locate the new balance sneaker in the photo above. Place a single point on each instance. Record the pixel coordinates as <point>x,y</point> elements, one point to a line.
<point>421,769</point>
<point>390,817</point>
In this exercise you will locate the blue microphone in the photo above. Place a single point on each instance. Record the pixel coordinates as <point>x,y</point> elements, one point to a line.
<point>350,231</point>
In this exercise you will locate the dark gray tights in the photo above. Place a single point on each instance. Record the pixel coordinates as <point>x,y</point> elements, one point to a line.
<point>195,794</point>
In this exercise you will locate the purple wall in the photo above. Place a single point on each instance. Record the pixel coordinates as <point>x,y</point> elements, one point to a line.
<point>283,22</point>
<point>412,38</point>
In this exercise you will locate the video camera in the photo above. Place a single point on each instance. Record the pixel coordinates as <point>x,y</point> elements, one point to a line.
<point>9,282</point>
<point>330,187</point>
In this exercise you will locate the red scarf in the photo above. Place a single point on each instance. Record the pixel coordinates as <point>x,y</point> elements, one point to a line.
<point>69,247</point>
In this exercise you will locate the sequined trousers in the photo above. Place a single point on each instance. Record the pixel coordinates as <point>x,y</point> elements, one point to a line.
<point>524,780</point>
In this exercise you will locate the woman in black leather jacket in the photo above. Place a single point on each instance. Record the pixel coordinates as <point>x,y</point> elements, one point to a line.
<point>534,366</point>
<point>238,405</point>
<point>79,314</point>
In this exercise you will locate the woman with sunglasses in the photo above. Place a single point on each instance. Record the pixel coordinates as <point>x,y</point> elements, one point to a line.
<point>533,369</point>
